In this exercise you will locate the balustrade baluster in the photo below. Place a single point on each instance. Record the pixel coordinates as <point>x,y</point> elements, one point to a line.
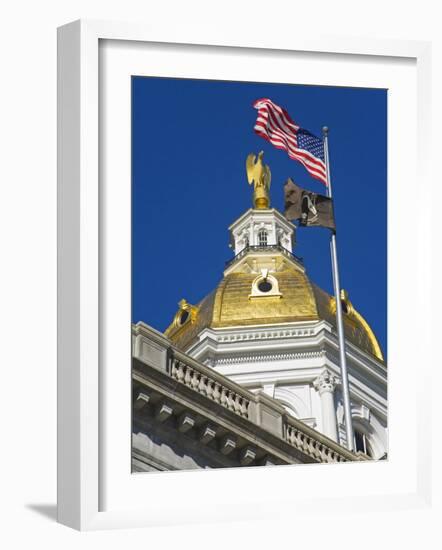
<point>233,405</point>
<point>223,398</point>
<point>173,370</point>
<point>209,388</point>
<point>238,403</point>
<point>216,392</point>
<point>188,376</point>
<point>202,387</point>
<point>289,435</point>
<point>195,380</point>
<point>244,407</point>
<point>180,372</point>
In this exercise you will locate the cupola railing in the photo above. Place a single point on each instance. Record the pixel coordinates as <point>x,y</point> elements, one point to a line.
<point>264,248</point>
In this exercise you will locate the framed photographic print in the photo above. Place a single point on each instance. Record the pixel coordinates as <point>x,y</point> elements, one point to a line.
<point>233,255</point>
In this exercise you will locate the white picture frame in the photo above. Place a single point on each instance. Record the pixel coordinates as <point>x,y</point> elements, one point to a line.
<point>81,439</point>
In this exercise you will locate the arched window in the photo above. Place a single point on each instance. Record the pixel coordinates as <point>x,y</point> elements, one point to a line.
<point>361,443</point>
<point>262,237</point>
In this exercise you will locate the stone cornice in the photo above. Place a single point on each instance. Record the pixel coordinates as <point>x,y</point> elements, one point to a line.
<point>261,215</point>
<point>316,334</point>
<point>205,393</point>
<point>142,329</point>
<point>310,330</point>
<point>354,354</point>
<point>260,332</point>
<point>366,374</point>
<point>270,334</point>
<point>268,357</point>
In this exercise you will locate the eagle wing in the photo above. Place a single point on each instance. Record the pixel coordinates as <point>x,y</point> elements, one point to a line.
<point>251,167</point>
<point>268,175</point>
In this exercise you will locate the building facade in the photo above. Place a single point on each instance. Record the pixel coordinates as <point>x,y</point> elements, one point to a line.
<point>257,362</point>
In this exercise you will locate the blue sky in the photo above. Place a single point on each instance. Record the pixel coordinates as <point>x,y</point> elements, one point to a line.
<point>190,139</point>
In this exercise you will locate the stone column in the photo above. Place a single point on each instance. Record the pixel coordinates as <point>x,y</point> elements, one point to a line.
<point>325,384</point>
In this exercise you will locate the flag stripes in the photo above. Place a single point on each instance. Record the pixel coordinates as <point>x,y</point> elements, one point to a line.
<point>274,124</point>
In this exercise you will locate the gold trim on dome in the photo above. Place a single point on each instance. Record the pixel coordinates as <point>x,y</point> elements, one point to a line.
<point>229,306</point>
<point>257,321</point>
<point>178,323</point>
<point>353,315</point>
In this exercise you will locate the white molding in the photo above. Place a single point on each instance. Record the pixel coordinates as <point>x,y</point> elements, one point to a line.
<point>254,220</point>
<point>78,255</point>
<point>248,345</point>
<point>320,330</point>
<point>233,360</point>
<point>68,345</point>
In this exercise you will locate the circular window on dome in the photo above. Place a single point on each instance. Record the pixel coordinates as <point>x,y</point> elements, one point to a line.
<point>184,315</point>
<point>265,286</point>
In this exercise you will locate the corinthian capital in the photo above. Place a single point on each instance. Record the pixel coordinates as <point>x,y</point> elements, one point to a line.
<point>326,382</point>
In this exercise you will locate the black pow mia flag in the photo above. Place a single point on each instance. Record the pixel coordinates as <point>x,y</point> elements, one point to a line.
<point>309,208</point>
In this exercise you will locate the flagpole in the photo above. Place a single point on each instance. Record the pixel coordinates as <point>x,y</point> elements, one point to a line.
<point>339,318</point>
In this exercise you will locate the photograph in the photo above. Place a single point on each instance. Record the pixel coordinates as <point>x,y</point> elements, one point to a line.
<point>259,274</point>
<point>220,300</point>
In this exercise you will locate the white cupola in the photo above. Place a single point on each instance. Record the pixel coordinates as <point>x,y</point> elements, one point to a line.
<point>261,228</point>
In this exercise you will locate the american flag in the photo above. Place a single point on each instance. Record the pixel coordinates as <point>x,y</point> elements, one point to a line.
<point>275,125</point>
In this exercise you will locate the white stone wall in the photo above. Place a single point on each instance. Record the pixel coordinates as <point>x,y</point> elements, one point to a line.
<point>298,365</point>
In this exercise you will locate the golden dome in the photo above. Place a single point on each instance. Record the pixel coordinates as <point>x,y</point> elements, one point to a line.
<point>232,304</point>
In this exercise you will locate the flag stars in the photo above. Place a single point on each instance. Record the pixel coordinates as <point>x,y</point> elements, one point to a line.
<point>274,124</point>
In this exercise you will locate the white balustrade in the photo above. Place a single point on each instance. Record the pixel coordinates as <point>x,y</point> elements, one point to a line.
<point>210,387</point>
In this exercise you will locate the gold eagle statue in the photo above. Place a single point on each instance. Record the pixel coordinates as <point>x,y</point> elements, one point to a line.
<point>259,174</point>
